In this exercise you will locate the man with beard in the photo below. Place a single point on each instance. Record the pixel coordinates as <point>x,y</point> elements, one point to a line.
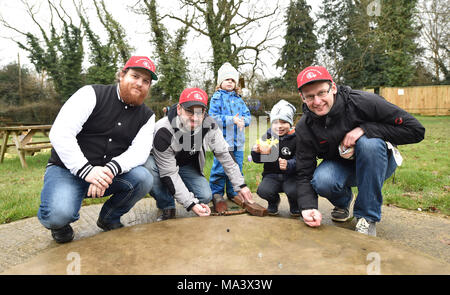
<point>101,137</point>
<point>178,157</point>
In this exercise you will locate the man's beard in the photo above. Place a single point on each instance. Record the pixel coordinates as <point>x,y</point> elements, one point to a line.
<point>130,98</point>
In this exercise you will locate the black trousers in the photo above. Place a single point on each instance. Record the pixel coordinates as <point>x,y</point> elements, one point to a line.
<point>273,184</point>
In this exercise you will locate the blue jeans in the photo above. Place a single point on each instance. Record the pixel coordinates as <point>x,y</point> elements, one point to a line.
<point>63,193</point>
<point>373,164</point>
<point>218,178</point>
<point>194,181</point>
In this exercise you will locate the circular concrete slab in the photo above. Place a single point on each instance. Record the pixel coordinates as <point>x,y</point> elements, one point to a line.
<point>240,244</point>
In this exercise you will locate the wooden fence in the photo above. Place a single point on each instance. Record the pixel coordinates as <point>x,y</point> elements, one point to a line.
<point>423,100</point>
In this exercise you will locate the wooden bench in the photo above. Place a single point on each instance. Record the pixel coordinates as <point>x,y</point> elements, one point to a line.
<point>22,140</point>
<point>33,147</point>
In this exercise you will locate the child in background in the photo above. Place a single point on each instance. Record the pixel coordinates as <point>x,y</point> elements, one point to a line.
<point>276,150</point>
<point>231,113</point>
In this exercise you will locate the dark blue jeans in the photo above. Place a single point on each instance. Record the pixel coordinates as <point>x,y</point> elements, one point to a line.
<point>63,193</point>
<point>373,164</point>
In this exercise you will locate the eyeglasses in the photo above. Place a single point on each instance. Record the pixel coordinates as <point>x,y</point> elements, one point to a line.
<point>321,94</point>
<point>192,113</point>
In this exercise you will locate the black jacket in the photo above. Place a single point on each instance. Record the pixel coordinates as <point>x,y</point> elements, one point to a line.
<point>319,137</point>
<point>285,149</point>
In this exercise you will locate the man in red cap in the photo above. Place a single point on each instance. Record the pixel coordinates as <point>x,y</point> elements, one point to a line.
<point>101,137</point>
<point>178,157</point>
<point>353,132</point>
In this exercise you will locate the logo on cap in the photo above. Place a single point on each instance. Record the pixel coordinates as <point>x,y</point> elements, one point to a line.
<point>194,96</point>
<point>141,62</point>
<point>146,64</point>
<point>310,75</point>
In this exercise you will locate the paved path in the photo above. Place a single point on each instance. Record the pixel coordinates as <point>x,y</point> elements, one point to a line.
<point>424,232</point>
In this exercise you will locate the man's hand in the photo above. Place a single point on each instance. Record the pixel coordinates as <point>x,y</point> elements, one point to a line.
<point>351,137</point>
<point>95,192</point>
<point>312,217</point>
<point>102,177</point>
<point>283,163</point>
<point>201,209</point>
<point>246,194</point>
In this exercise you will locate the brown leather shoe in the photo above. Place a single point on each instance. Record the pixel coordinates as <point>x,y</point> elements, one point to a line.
<point>220,205</point>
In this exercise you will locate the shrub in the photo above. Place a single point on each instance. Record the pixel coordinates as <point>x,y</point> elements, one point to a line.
<point>42,112</point>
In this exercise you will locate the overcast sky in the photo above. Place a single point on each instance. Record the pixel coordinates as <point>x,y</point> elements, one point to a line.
<point>197,47</point>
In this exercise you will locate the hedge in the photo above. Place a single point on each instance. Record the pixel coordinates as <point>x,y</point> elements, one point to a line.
<point>45,112</point>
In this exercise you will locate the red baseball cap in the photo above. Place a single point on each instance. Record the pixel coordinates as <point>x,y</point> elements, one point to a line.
<point>193,96</point>
<point>313,74</point>
<point>141,62</point>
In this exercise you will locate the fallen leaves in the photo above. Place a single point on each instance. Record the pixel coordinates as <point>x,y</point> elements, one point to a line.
<point>431,209</point>
<point>434,209</point>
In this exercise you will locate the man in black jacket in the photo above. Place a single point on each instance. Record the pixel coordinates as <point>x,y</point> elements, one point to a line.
<point>354,132</point>
<point>101,137</point>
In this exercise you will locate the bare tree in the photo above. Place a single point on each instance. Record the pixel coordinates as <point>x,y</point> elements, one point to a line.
<point>104,57</point>
<point>60,54</point>
<point>117,34</point>
<point>434,16</point>
<point>172,63</point>
<point>228,29</point>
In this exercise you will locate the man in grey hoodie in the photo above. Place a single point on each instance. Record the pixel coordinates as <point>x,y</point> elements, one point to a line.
<point>178,157</point>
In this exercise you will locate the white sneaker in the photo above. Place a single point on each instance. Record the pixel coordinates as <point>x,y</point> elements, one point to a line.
<point>367,228</point>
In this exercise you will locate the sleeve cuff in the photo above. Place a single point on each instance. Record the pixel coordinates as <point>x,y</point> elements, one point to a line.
<point>84,171</point>
<point>190,206</point>
<point>114,167</point>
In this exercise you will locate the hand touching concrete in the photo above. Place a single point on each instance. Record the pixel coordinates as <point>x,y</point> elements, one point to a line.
<point>312,217</point>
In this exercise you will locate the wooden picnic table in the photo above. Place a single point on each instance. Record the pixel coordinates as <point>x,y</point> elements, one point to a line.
<point>22,140</point>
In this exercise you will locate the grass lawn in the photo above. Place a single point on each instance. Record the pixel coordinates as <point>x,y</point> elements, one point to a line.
<point>423,181</point>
